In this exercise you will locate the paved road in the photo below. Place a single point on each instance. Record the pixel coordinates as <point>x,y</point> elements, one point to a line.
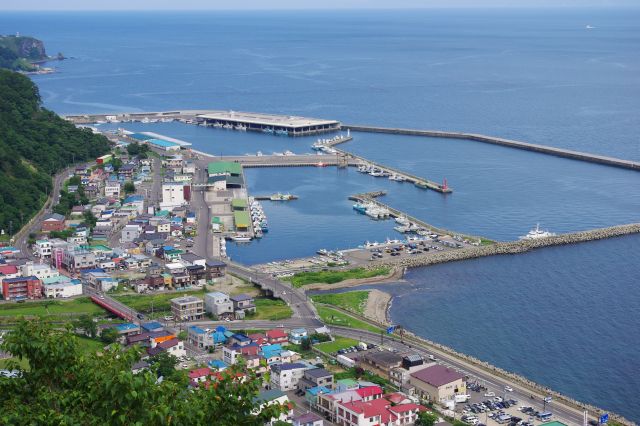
<point>22,237</point>
<point>493,383</point>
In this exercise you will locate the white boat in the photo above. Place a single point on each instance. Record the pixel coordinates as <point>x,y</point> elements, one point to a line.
<point>241,238</point>
<point>217,124</point>
<point>241,128</point>
<point>145,120</point>
<point>402,220</point>
<point>397,178</point>
<point>288,153</point>
<point>537,233</point>
<point>376,173</point>
<point>590,27</point>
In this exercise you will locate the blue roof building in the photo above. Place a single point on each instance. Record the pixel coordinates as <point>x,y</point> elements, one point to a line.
<point>152,326</point>
<point>218,364</point>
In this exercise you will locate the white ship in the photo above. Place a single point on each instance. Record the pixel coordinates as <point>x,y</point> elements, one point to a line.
<point>537,233</point>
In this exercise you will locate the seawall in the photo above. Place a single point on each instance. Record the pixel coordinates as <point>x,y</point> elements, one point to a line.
<point>514,247</point>
<point>543,149</point>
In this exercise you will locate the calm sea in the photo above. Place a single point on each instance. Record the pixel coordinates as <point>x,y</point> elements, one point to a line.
<point>565,316</point>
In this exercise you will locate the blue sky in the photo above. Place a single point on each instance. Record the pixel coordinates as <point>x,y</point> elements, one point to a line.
<point>292,4</point>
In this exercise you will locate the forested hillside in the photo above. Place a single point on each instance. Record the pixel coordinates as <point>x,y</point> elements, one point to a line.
<point>34,144</point>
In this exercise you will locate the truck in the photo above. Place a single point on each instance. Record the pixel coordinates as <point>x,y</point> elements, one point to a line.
<point>461,398</point>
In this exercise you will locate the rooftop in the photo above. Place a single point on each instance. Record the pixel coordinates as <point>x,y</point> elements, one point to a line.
<point>317,373</point>
<point>437,375</point>
<point>266,119</point>
<point>224,167</point>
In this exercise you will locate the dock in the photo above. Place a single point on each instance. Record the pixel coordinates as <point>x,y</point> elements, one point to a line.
<point>420,182</point>
<point>278,124</point>
<point>371,198</point>
<point>289,197</point>
<point>307,160</point>
<point>543,149</point>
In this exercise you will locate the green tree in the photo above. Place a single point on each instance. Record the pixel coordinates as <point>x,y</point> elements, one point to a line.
<point>109,335</point>
<point>426,418</point>
<point>66,386</point>
<point>165,364</point>
<point>305,344</point>
<point>87,325</point>
<point>129,187</point>
<point>89,218</point>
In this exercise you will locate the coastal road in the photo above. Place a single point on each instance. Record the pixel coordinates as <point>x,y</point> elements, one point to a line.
<point>494,383</point>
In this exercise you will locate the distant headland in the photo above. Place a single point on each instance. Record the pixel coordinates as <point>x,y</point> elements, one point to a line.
<point>25,54</point>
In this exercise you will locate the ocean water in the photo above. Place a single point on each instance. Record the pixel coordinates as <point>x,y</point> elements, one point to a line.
<point>538,76</point>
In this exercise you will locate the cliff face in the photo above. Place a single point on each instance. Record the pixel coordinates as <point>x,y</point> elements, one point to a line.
<point>24,47</point>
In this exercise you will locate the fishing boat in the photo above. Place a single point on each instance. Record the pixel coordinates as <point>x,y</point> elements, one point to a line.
<point>360,208</point>
<point>397,178</point>
<point>402,220</point>
<point>241,238</point>
<point>217,124</point>
<point>267,130</point>
<point>288,153</point>
<point>241,128</point>
<point>227,126</point>
<point>282,132</point>
<point>323,252</point>
<point>281,197</point>
<point>537,233</point>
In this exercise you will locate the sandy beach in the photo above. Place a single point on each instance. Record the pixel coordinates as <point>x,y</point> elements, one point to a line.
<point>377,306</point>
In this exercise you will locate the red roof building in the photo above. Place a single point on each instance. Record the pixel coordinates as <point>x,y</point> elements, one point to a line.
<point>277,335</point>
<point>376,412</point>
<point>369,393</point>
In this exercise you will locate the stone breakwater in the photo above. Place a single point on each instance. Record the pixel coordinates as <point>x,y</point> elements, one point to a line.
<point>513,247</point>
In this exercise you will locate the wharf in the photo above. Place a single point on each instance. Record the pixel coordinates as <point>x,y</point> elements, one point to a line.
<point>416,180</point>
<point>543,149</point>
<point>310,160</point>
<point>268,198</point>
<point>370,197</point>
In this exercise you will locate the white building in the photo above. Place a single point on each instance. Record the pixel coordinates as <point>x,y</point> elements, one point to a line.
<point>43,248</point>
<point>218,303</point>
<point>287,375</point>
<point>112,189</point>
<point>61,289</point>
<point>269,397</point>
<point>172,195</point>
<point>130,232</point>
<point>39,270</point>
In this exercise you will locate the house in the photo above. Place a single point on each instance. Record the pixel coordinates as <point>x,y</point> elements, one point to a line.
<point>379,411</point>
<point>315,377</point>
<point>277,335</point>
<point>199,375</point>
<point>242,304</point>
<point>307,419</point>
<point>112,189</point>
<point>139,367</point>
<point>151,326</point>
<point>271,353</point>
<point>327,403</point>
<point>127,329</point>
<point>20,288</point>
<point>380,361</point>
<point>172,346</point>
<point>269,397</point>
<point>187,308</point>
<point>287,375</point>
<point>437,383</point>
<point>199,337</point>
<point>60,287</point>
<point>8,271</point>
<point>197,275</point>
<point>126,171</point>
<point>296,335</point>
<point>191,259</point>
<point>399,376</point>
<point>218,304</point>
<point>43,248</point>
<point>215,269</point>
<point>76,259</point>
<point>100,280</point>
<point>130,232</point>
<point>232,351</point>
<point>39,270</point>
<point>53,222</point>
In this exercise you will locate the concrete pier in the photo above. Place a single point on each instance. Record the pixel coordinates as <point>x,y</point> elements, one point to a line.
<point>371,197</point>
<point>543,149</point>
<point>312,160</point>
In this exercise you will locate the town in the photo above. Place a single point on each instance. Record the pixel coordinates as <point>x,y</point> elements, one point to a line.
<point>133,252</point>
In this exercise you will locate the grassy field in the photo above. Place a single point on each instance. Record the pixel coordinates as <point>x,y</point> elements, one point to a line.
<point>22,364</point>
<point>271,309</point>
<point>332,277</point>
<point>51,308</point>
<point>332,317</point>
<point>90,346</point>
<point>354,301</point>
<point>336,345</point>
<point>161,301</point>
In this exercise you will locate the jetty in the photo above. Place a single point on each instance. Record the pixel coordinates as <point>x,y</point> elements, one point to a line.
<point>285,197</point>
<point>371,198</point>
<point>543,149</point>
<point>307,160</point>
<point>420,182</point>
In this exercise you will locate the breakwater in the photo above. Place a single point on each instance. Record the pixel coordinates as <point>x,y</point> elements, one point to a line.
<point>543,149</point>
<point>513,247</point>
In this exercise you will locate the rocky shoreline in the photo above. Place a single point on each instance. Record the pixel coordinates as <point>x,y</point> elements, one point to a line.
<point>514,247</point>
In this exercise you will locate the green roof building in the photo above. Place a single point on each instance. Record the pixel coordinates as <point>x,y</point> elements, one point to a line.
<point>225,167</point>
<point>241,220</point>
<point>239,204</point>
